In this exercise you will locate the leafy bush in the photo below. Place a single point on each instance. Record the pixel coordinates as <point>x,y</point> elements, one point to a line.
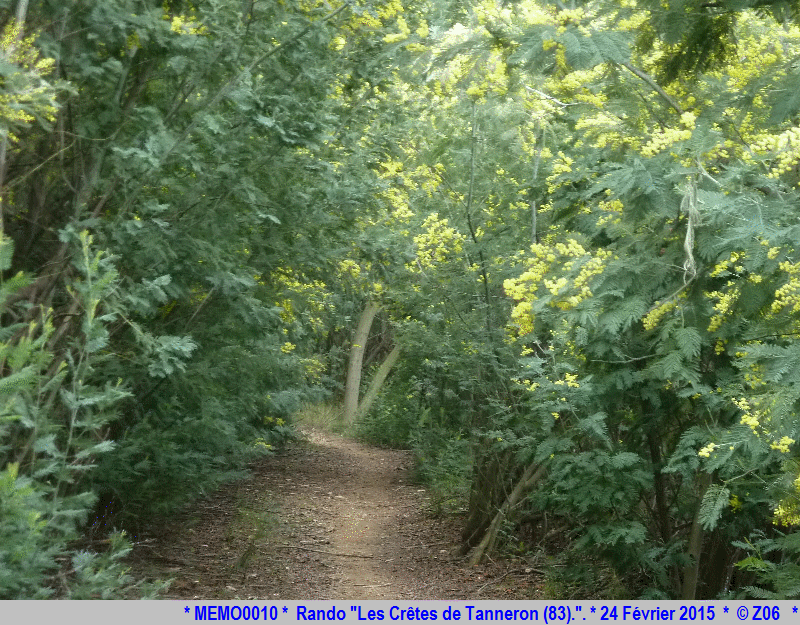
<point>443,463</point>
<point>104,575</point>
<point>52,433</point>
<point>775,563</point>
<point>391,420</point>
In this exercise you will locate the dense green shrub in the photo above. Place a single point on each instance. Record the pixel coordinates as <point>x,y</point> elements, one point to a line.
<point>392,419</point>
<point>55,413</point>
<point>443,463</point>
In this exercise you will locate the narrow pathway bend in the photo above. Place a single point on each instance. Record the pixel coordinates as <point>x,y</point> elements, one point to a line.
<point>330,518</point>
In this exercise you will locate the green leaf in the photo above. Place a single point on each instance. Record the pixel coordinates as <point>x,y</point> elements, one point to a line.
<point>689,341</point>
<point>624,460</point>
<point>715,500</point>
<point>46,444</point>
<point>6,252</point>
<point>99,448</point>
<point>611,46</point>
<point>596,425</point>
<point>12,285</point>
<point>671,365</point>
<point>622,313</point>
<point>25,378</point>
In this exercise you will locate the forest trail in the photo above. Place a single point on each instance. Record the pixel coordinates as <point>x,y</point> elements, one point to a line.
<point>330,518</point>
<point>361,496</point>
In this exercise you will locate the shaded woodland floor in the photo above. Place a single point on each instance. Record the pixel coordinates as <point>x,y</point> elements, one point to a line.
<point>330,518</point>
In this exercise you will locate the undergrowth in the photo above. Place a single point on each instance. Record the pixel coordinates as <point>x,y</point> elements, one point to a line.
<point>321,416</point>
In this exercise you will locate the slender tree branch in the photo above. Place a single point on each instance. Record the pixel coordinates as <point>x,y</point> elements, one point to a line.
<point>199,308</point>
<point>222,92</point>
<point>470,194</point>
<point>654,85</point>
<point>624,362</point>
<point>542,94</point>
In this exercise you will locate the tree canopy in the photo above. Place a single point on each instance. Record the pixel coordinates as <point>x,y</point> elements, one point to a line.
<point>574,224</point>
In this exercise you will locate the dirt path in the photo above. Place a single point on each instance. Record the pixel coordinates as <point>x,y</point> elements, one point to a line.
<point>328,519</point>
<point>365,508</point>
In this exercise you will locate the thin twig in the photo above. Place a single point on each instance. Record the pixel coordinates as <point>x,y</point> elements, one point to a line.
<point>494,581</point>
<point>542,94</point>
<point>624,362</point>
<point>442,542</point>
<point>199,308</point>
<point>654,85</point>
<point>531,569</point>
<point>329,553</point>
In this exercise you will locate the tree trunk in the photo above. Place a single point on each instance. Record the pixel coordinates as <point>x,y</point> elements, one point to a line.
<point>529,478</point>
<point>695,547</point>
<point>487,494</point>
<point>377,381</point>
<point>353,383</point>
<point>660,487</point>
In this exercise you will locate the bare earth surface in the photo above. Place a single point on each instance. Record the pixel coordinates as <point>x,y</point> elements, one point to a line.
<point>330,518</point>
